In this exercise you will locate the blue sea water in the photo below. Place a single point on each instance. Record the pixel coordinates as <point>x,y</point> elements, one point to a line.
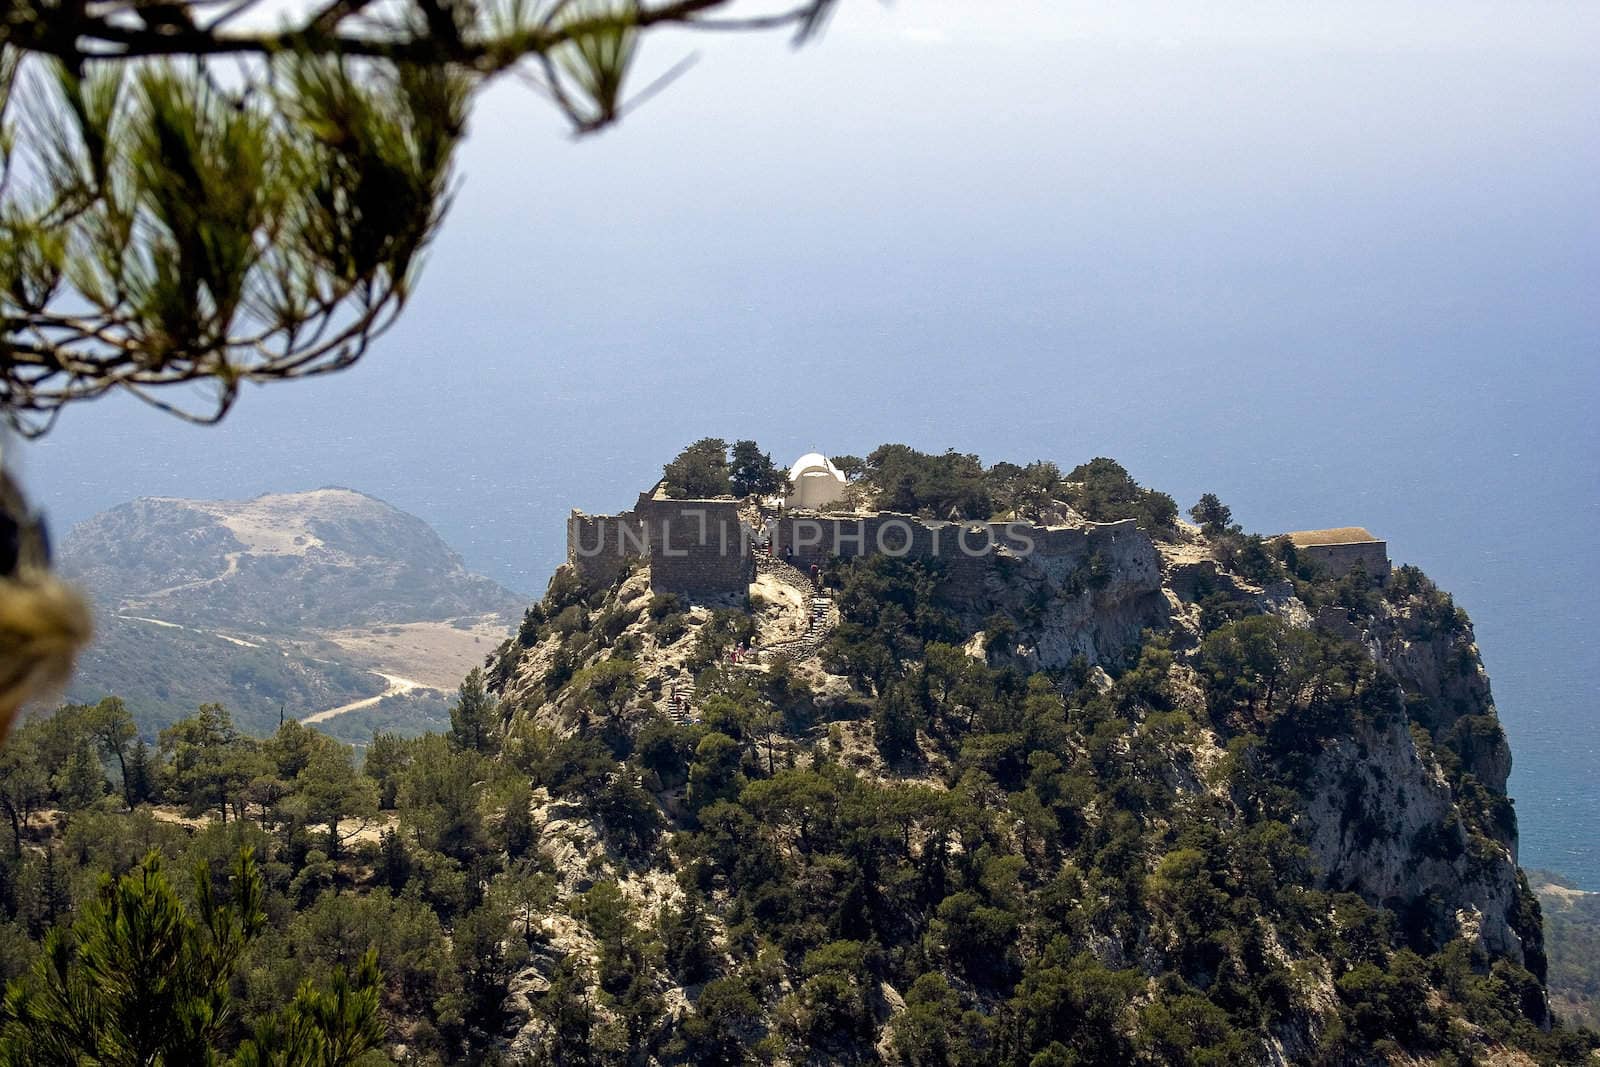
<point>1333,281</point>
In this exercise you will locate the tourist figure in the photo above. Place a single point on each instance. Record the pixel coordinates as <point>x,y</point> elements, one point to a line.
<point>816,577</point>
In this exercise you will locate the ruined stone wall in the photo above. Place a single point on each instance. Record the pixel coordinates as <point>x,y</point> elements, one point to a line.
<point>1337,560</point>
<point>697,547</point>
<point>701,547</point>
<point>599,547</point>
<point>815,539</point>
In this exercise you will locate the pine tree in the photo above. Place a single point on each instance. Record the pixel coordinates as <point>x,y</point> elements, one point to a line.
<point>475,716</point>
<point>894,723</point>
<point>517,833</point>
<point>699,471</point>
<point>24,783</point>
<point>82,781</point>
<point>387,755</point>
<point>46,895</point>
<point>113,729</point>
<point>331,791</point>
<point>394,861</point>
<point>293,173</point>
<point>138,781</point>
<point>753,472</point>
<point>143,978</point>
<point>1212,515</point>
<point>322,1029</point>
<point>686,940</point>
<point>139,978</point>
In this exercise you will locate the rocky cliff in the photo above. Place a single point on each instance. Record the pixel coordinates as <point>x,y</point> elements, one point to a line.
<point>1186,792</point>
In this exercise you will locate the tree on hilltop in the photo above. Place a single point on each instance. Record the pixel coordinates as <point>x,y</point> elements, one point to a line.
<point>699,471</point>
<point>1212,515</point>
<point>852,467</point>
<point>1024,492</point>
<point>942,486</point>
<point>753,473</point>
<point>1102,490</point>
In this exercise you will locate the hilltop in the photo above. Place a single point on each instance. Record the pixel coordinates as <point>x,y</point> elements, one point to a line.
<point>1110,788</point>
<point>306,601</point>
<point>1118,788</point>
<point>280,562</point>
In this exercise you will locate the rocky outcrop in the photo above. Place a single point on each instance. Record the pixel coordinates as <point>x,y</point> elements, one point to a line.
<point>1434,656</point>
<point>1093,603</point>
<point>1382,811</point>
<point>1383,816</point>
<point>1382,820</point>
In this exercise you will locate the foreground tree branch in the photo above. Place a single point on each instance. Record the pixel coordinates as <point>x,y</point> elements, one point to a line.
<point>187,199</point>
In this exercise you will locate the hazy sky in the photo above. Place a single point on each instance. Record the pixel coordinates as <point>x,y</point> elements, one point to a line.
<point>1336,262</point>
<point>944,211</point>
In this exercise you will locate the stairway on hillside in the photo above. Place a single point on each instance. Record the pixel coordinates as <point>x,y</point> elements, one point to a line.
<point>822,620</point>
<point>680,709</point>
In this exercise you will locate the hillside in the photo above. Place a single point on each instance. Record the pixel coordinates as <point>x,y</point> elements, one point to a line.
<point>292,601</point>
<point>283,562</point>
<point>1572,928</point>
<point>1183,797</point>
<point>1149,794</point>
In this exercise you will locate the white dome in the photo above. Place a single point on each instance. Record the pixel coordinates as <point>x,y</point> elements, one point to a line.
<point>814,482</point>
<point>814,463</point>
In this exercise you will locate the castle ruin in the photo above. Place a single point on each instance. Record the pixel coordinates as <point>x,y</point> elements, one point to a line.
<point>1342,549</point>
<point>707,548</point>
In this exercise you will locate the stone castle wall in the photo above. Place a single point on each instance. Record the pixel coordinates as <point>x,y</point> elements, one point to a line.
<point>702,548</point>
<point>694,547</point>
<point>601,546</point>
<point>697,547</point>
<point>815,539</point>
<point>1338,560</point>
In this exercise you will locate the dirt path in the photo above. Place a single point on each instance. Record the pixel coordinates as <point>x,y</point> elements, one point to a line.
<point>177,626</point>
<point>231,569</point>
<point>397,685</point>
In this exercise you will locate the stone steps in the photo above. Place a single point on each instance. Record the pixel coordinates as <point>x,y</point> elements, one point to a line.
<point>680,709</point>
<point>823,613</point>
<point>824,619</point>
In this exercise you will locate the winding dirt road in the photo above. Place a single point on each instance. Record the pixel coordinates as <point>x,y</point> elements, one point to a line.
<point>397,686</point>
